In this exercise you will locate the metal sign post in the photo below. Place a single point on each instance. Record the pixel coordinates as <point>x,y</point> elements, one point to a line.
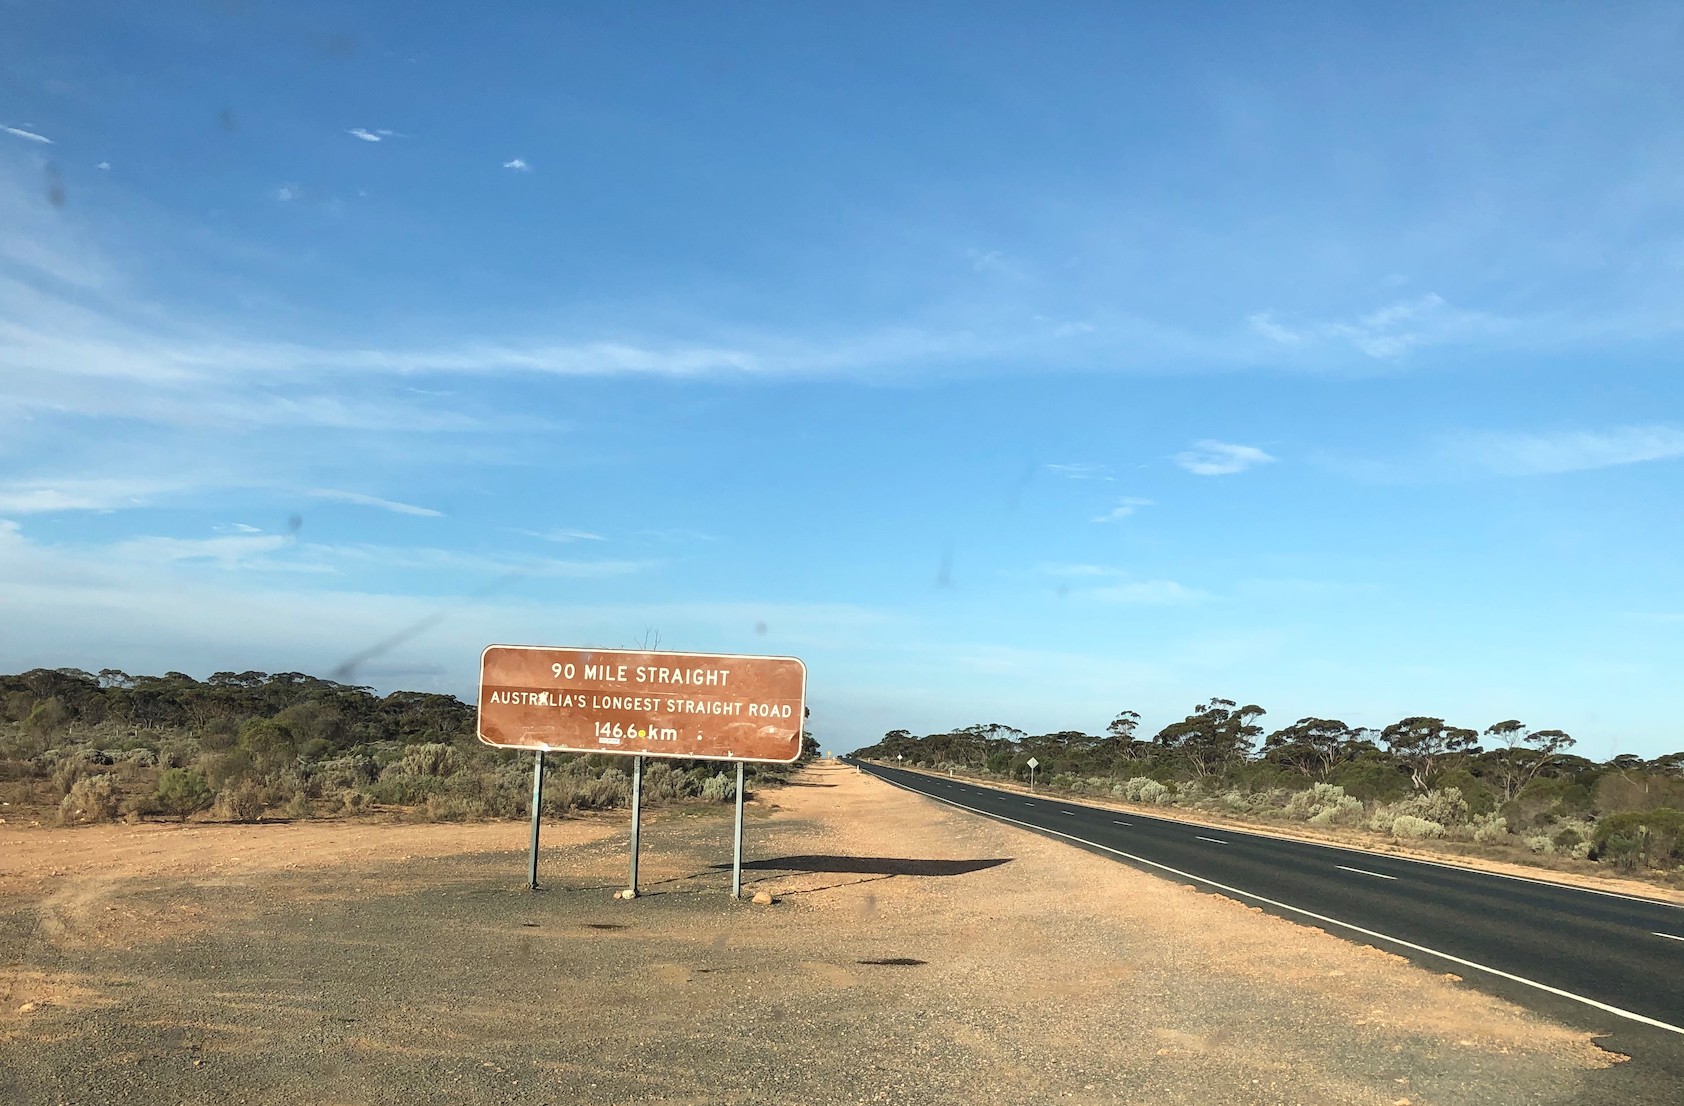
<point>737,851</point>
<point>637,817</point>
<point>537,809</point>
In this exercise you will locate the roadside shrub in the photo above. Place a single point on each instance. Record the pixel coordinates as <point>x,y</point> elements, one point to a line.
<point>1618,792</point>
<point>224,770</point>
<point>662,783</point>
<point>1540,843</point>
<point>719,788</point>
<point>347,772</point>
<point>1324,804</point>
<point>433,759</point>
<point>298,807</point>
<point>1372,778</point>
<point>182,792</point>
<point>401,789</point>
<point>612,788</point>
<point>176,753</point>
<point>1408,825</point>
<point>1490,829</point>
<point>242,802</point>
<point>1475,792</point>
<point>1641,838</point>
<point>90,799</point>
<point>1443,808</point>
<point>70,768</point>
<point>47,718</point>
<point>270,744</point>
<point>1144,789</point>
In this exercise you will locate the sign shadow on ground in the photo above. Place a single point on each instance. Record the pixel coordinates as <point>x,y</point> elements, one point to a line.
<point>873,865</point>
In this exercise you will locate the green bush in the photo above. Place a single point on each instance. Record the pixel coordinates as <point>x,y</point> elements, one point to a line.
<point>48,717</point>
<point>1371,779</point>
<point>224,770</point>
<point>270,744</point>
<point>1641,838</point>
<point>182,792</point>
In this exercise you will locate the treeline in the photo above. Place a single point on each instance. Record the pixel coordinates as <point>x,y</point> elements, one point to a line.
<point>243,745</point>
<point>1420,777</point>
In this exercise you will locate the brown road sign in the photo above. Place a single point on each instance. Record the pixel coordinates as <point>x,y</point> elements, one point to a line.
<point>704,705</point>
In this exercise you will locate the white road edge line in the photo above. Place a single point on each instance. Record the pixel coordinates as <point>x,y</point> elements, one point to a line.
<point>1630,1015</point>
<point>1668,936</point>
<point>1393,856</point>
<point>1365,872</point>
<point>1212,840</point>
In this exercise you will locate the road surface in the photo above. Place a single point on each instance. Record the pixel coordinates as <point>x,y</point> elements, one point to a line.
<point>1597,959</point>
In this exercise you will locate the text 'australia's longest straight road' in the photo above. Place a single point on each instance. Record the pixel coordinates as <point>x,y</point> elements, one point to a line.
<point>704,705</point>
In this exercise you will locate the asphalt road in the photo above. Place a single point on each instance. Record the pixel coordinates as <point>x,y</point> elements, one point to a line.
<point>1598,960</point>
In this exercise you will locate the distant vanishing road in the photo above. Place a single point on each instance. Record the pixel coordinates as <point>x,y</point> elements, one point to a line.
<point>1598,959</point>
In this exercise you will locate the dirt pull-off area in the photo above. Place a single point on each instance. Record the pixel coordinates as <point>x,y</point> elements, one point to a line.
<point>914,955</point>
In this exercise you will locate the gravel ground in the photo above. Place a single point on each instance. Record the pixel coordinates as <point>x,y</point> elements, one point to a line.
<point>914,955</point>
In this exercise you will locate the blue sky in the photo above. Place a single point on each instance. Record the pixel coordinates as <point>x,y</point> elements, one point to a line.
<point>1004,364</point>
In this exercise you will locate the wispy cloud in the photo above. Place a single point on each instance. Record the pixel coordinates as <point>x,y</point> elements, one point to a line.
<point>1567,451</point>
<point>359,499</point>
<point>227,552</point>
<point>1109,584</point>
<point>81,494</point>
<point>1125,507</point>
<point>365,135</point>
<point>677,535</point>
<point>1146,593</point>
<point>458,562</point>
<point>518,165</point>
<point>1387,333</point>
<point>286,193</point>
<point>564,536</point>
<point>1213,458</point>
<point>27,135</point>
<point>1081,470</point>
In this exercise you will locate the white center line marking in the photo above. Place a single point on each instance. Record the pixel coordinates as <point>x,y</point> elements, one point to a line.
<point>1365,872</point>
<point>1072,813</point>
<point>1118,822</point>
<point>1606,1008</point>
<point>1668,936</point>
<point>1212,840</point>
